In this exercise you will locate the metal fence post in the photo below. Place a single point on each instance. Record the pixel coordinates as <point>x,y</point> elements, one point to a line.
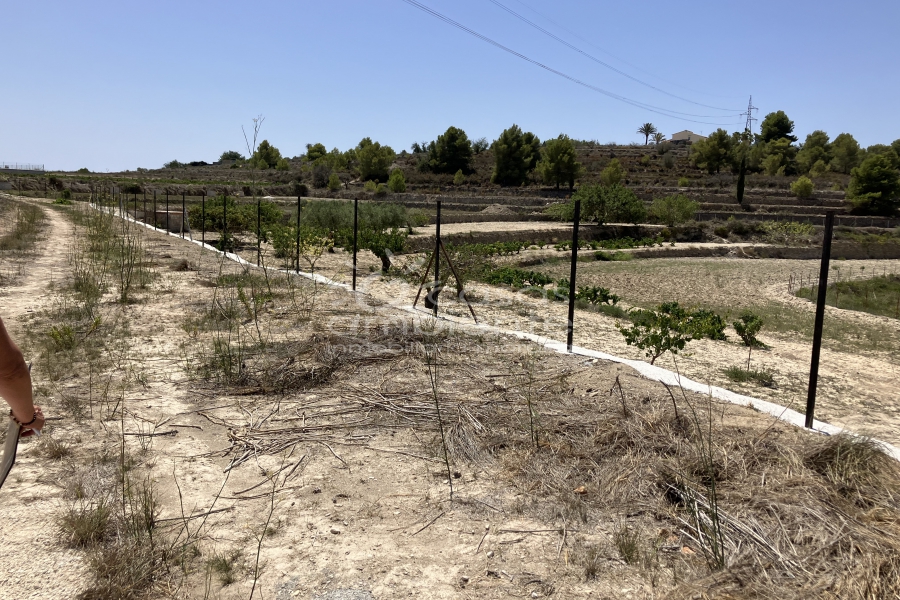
<point>355,233</point>
<point>183,215</point>
<point>224,223</point>
<point>570,327</point>
<point>820,320</point>
<point>203,218</point>
<point>437,259</point>
<point>258,225</point>
<point>297,247</point>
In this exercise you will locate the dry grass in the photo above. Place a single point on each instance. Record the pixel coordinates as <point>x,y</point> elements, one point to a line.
<point>794,513</point>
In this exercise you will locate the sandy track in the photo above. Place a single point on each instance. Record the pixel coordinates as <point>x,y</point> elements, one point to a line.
<point>32,561</point>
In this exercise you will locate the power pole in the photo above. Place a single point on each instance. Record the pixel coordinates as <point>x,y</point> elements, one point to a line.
<point>745,148</point>
<point>749,114</point>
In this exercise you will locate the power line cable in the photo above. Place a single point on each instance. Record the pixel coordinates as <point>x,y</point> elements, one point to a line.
<point>655,109</point>
<point>622,60</point>
<point>600,62</point>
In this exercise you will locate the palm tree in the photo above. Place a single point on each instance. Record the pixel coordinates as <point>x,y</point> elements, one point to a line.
<point>647,129</point>
<point>658,138</point>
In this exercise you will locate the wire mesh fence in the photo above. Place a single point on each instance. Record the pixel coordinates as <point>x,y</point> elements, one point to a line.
<point>21,166</point>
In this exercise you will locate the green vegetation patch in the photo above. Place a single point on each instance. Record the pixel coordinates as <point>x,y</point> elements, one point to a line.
<point>877,296</point>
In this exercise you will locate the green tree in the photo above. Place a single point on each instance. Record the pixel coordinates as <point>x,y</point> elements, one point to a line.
<point>667,329</point>
<point>374,159</point>
<point>780,157</point>
<point>315,151</point>
<point>231,155</point>
<point>777,125</point>
<point>334,182</point>
<point>459,178</point>
<point>803,187</point>
<point>515,155</point>
<point>283,165</point>
<point>818,169</point>
<point>875,186</point>
<point>613,174</point>
<point>845,153</point>
<point>266,156</point>
<point>747,328</point>
<point>885,150</point>
<point>816,147</point>
<point>397,182</point>
<point>646,130</point>
<point>480,145</point>
<point>659,138</point>
<point>558,162</point>
<point>609,204</point>
<point>673,210</point>
<point>714,152</point>
<point>451,152</point>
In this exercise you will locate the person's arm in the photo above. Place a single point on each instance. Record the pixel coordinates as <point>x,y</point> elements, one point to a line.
<point>15,384</point>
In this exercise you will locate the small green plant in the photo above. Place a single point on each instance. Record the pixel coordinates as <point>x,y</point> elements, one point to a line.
<point>747,327</point>
<point>742,375</point>
<point>370,186</point>
<point>803,187</point>
<point>62,337</point>
<point>225,566</point>
<point>86,523</point>
<point>626,541</point>
<point>459,178</point>
<point>516,278</point>
<point>666,329</point>
<point>708,324</point>
<point>612,256</point>
<point>596,295</point>
<point>684,182</point>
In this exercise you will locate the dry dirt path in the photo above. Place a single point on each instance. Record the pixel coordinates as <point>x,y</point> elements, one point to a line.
<point>32,563</point>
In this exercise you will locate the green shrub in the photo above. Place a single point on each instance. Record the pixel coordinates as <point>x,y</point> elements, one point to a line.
<point>666,329</point>
<point>684,182</point>
<point>803,187</point>
<point>459,178</point>
<point>397,182</point>
<point>742,375</point>
<point>614,256</point>
<point>334,182</point>
<point>708,324</point>
<point>596,295</point>
<point>603,204</point>
<point>674,210</point>
<point>613,174</point>
<point>282,165</point>
<point>516,278</point>
<point>747,328</point>
<point>370,186</point>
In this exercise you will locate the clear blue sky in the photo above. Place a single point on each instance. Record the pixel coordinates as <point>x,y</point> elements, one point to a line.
<point>119,85</point>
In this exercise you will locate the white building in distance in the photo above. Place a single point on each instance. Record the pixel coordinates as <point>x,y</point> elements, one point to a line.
<point>687,136</point>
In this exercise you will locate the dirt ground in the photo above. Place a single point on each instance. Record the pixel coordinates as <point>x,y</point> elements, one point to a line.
<point>860,362</point>
<point>371,518</point>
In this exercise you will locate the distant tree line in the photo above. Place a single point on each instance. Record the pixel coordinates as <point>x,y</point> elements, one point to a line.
<point>874,171</point>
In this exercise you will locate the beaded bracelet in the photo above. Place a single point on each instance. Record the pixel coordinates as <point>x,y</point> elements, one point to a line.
<point>21,424</point>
